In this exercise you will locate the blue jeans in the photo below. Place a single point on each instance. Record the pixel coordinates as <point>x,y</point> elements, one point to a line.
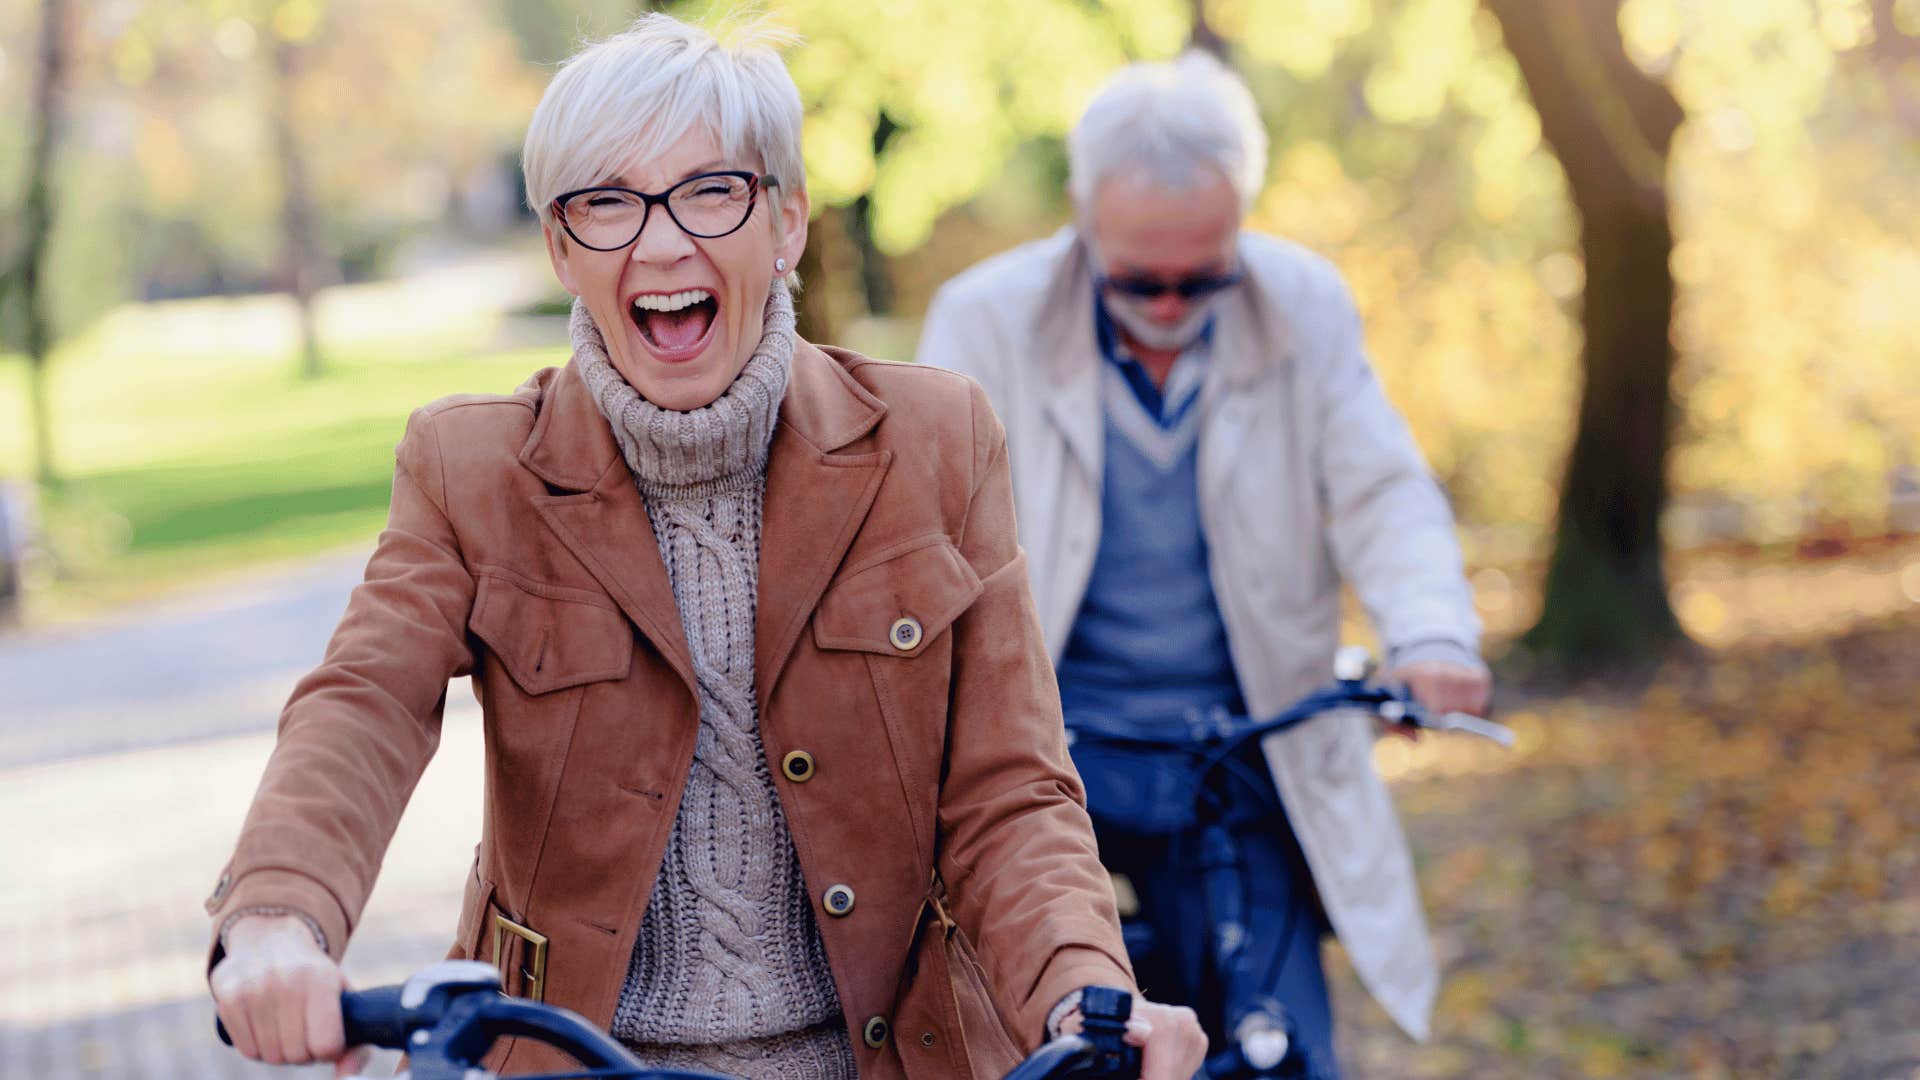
<point>1280,909</point>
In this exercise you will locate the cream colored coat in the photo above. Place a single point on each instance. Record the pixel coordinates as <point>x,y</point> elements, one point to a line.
<point>1308,477</point>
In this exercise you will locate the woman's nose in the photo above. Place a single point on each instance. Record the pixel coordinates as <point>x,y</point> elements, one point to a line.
<point>661,239</point>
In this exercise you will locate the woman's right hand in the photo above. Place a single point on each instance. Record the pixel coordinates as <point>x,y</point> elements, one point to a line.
<point>278,993</point>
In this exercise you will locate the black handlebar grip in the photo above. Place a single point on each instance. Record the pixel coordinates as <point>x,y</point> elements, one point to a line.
<point>375,1017</point>
<point>369,1017</point>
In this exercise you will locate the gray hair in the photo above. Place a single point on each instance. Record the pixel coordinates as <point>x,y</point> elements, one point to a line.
<point>1170,120</point>
<point>638,92</point>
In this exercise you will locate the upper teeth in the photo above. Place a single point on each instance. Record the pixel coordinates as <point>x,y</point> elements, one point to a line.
<point>671,301</point>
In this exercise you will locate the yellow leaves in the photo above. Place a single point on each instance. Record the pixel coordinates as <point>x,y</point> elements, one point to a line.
<point>1701,613</point>
<point>1467,994</point>
<point>1719,852</point>
<point>1786,896</point>
<point>964,85</point>
<point>296,21</point>
<point>1601,1054</point>
<point>1151,28</point>
<point>133,60</point>
<point>1650,29</point>
<point>1299,35</point>
<point>1510,137</point>
<point>1845,24</point>
<point>1660,855</point>
<point>839,154</point>
<point>164,156</point>
<point>1309,181</point>
<point>1433,44</point>
<point>235,38</point>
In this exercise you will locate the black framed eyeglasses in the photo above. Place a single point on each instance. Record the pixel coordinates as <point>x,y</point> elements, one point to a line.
<point>707,205</point>
<point>1191,287</point>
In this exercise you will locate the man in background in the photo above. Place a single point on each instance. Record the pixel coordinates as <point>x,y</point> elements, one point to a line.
<point>1201,457</point>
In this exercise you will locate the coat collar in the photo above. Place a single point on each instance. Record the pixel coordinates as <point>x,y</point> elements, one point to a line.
<point>817,499</point>
<point>1250,335</point>
<point>571,447</point>
<point>1249,346</point>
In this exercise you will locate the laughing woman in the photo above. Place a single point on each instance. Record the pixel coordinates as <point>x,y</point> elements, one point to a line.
<point>767,710</point>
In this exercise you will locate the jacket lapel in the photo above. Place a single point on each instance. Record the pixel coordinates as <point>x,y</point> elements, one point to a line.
<point>603,521</point>
<point>1071,357</point>
<point>1251,345</point>
<point>816,502</point>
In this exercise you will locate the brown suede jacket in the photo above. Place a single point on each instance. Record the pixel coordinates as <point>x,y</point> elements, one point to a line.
<point>906,702</point>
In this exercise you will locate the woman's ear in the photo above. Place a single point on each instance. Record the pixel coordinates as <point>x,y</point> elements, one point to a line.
<point>791,238</point>
<point>559,253</point>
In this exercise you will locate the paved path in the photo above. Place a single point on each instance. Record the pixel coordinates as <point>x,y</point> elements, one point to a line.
<point>128,754</point>
<point>109,858</point>
<point>214,662</point>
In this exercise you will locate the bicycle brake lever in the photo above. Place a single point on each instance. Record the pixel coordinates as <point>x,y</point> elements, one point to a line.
<point>1473,725</point>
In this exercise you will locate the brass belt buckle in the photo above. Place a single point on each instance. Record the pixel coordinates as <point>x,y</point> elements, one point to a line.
<point>535,971</point>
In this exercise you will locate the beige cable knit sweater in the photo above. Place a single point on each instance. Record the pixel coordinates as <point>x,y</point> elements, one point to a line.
<point>729,973</point>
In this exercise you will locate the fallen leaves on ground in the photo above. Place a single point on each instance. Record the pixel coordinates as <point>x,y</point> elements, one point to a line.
<point>1717,875</point>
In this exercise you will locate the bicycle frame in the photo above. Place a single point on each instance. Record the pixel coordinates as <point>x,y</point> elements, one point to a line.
<point>1262,1043</point>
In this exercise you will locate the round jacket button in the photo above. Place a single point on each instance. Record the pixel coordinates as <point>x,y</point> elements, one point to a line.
<point>905,634</point>
<point>875,1033</point>
<point>797,766</point>
<point>838,900</point>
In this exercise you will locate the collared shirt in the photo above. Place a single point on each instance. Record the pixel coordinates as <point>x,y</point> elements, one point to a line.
<point>1148,644</point>
<point>1166,404</point>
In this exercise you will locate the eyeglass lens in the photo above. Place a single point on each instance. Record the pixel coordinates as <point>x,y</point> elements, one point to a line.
<point>1189,288</point>
<point>703,206</point>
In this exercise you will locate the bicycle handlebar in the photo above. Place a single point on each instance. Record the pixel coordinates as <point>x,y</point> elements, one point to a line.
<point>447,1016</point>
<point>1393,704</point>
<point>374,1017</point>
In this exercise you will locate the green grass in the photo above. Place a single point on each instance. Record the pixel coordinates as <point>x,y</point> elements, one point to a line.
<point>189,445</point>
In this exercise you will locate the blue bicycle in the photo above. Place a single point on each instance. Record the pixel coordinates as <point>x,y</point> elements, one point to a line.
<point>449,1015</point>
<point>1177,797</point>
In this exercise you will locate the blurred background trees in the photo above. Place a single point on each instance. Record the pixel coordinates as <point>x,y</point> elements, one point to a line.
<point>1683,229</point>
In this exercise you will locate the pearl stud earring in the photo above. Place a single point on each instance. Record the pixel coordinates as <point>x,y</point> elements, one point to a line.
<point>780,266</point>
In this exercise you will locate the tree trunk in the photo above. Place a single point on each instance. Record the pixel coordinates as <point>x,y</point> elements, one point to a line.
<point>813,313</point>
<point>1611,126</point>
<point>300,246</point>
<point>1204,37</point>
<point>37,226</point>
<point>876,277</point>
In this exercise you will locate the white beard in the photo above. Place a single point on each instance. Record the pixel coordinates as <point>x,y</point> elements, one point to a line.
<point>1152,335</point>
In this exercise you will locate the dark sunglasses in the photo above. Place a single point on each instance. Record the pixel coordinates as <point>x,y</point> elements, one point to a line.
<point>1191,287</point>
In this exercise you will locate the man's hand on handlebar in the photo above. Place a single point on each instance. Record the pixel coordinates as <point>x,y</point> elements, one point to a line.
<point>1441,688</point>
<point>1172,1045</point>
<point>279,994</point>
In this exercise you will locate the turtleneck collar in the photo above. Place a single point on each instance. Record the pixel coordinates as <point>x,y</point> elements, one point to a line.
<point>715,447</point>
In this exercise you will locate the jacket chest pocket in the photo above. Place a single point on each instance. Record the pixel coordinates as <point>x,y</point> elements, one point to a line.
<point>898,602</point>
<point>548,637</point>
<point>891,614</point>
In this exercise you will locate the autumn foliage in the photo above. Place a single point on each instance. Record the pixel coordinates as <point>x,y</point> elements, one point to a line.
<point>1713,875</point>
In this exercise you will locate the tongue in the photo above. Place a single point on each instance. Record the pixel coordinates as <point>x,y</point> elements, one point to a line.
<point>679,329</point>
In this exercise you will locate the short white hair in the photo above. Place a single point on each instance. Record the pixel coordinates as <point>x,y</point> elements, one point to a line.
<point>636,93</point>
<point>1170,120</point>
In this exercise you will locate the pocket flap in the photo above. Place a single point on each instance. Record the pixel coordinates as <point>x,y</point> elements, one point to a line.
<point>548,637</point>
<point>925,582</point>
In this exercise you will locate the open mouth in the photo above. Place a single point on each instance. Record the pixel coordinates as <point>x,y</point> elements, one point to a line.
<point>675,324</point>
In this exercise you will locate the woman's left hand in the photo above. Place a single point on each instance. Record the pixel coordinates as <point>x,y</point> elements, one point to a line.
<point>1172,1046</point>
